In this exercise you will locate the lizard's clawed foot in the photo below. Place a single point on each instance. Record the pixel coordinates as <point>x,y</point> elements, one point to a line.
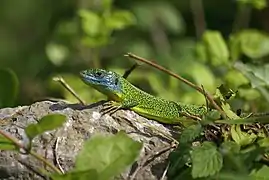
<point>110,108</point>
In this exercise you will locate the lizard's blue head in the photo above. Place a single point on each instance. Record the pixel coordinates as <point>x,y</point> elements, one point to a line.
<point>107,82</point>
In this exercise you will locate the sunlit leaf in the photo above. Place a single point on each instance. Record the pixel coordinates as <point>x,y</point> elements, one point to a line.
<point>216,47</point>
<point>120,19</point>
<point>109,155</point>
<point>91,22</point>
<point>8,87</point>
<point>57,53</point>
<point>258,4</point>
<point>46,123</point>
<point>235,82</point>
<point>240,137</point>
<point>252,43</point>
<point>264,142</point>
<point>202,76</point>
<point>249,94</point>
<point>206,160</point>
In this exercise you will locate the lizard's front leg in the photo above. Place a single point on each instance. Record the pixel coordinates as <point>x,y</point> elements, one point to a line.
<point>111,107</point>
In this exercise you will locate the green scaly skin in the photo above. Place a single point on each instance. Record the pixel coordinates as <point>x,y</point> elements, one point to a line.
<point>125,95</point>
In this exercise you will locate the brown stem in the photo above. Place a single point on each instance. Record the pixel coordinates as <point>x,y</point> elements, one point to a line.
<point>161,68</point>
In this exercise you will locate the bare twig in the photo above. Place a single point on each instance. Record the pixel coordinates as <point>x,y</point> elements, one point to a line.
<point>149,158</point>
<point>165,171</point>
<point>34,154</point>
<point>68,88</point>
<point>161,68</point>
<point>129,71</point>
<point>56,156</point>
<point>206,100</point>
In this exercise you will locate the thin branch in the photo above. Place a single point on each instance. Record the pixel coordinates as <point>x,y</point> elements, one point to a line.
<point>34,154</point>
<point>68,88</point>
<point>150,157</point>
<point>161,68</point>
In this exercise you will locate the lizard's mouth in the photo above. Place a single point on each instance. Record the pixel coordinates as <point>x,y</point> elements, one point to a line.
<point>90,79</point>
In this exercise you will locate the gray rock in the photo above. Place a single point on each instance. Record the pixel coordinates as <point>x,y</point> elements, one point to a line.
<point>82,123</point>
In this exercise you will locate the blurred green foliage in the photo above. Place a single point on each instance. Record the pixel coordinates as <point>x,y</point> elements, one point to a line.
<point>206,42</point>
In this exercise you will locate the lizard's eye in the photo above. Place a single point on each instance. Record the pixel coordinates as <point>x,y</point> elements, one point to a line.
<point>98,74</point>
<point>116,81</point>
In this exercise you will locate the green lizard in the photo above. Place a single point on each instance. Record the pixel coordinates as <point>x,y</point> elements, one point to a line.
<point>122,94</point>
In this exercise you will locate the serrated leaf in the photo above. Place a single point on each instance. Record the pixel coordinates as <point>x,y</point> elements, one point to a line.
<point>109,155</point>
<point>79,175</point>
<point>216,47</point>
<point>261,174</point>
<point>6,144</point>
<point>240,137</point>
<point>190,133</point>
<point>46,123</point>
<point>206,160</point>
<point>119,19</point>
<point>8,87</point>
<point>178,159</point>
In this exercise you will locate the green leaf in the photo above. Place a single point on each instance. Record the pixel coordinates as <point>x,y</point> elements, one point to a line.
<point>216,47</point>
<point>258,75</point>
<point>264,142</point>
<point>240,137</point>
<point>120,19</point>
<point>253,43</point>
<point>6,144</point>
<point>202,75</point>
<point>91,22</point>
<point>249,120</point>
<point>109,156</point>
<point>8,87</point>
<point>206,160</point>
<point>46,123</point>
<point>79,175</point>
<point>160,14</point>
<point>235,82</point>
<point>230,147</point>
<point>261,174</point>
<point>178,159</point>
<point>258,4</point>
<point>224,105</point>
<point>232,176</point>
<point>235,47</point>
<point>190,133</point>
